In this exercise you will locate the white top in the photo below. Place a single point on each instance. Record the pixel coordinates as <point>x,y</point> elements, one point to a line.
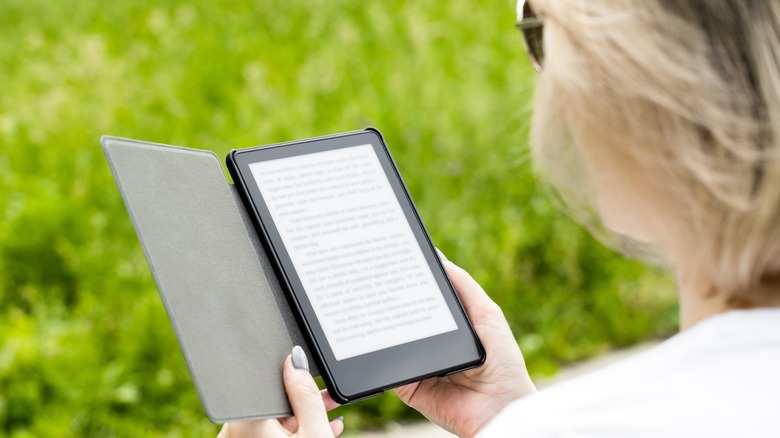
<point>719,378</point>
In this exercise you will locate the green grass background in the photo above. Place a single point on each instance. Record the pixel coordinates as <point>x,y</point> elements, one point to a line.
<point>85,346</point>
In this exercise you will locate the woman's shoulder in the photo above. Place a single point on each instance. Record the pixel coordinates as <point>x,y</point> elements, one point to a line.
<point>718,378</point>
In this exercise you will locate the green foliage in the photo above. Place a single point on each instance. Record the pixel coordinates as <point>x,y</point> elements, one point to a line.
<point>85,346</point>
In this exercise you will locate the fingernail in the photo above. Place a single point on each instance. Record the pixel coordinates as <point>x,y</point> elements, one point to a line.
<point>339,418</point>
<point>441,255</point>
<point>299,360</point>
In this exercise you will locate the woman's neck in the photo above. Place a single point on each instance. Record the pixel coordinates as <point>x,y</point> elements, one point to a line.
<point>697,305</point>
<point>699,299</point>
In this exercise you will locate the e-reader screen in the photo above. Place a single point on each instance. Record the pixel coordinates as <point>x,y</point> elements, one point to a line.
<point>353,249</point>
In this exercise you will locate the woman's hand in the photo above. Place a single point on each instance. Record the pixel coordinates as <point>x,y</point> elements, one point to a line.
<point>463,403</point>
<point>309,405</point>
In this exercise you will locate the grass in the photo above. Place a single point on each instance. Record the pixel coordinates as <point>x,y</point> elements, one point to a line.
<point>85,345</point>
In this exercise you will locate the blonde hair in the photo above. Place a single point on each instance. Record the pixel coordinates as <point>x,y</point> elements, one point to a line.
<point>690,90</point>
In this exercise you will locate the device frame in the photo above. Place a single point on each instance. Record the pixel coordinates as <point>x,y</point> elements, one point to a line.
<point>368,374</point>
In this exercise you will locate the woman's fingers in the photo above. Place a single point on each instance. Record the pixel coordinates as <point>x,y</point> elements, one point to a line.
<point>330,404</point>
<point>308,404</point>
<point>337,426</point>
<point>475,300</point>
<point>252,429</point>
<point>406,392</point>
<point>305,398</point>
<point>291,425</point>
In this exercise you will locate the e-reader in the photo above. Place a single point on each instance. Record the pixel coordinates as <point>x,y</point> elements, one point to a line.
<point>357,265</point>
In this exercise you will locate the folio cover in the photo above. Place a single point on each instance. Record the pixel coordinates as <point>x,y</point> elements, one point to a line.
<point>230,315</point>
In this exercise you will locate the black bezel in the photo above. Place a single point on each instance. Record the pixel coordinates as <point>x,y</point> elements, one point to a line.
<point>368,374</point>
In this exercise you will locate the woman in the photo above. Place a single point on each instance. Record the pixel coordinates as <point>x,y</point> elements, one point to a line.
<point>672,111</point>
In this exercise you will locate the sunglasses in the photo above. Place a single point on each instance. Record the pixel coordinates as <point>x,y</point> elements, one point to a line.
<point>531,25</point>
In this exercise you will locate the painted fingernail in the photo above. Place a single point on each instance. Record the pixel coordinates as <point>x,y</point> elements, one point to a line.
<point>441,255</point>
<point>299,359</point>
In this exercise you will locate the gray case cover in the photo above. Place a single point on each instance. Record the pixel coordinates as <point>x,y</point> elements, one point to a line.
<point>232,320</point>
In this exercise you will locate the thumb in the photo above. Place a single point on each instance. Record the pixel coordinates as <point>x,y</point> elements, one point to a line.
<point>475,300</point>
<point>303,394</point>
